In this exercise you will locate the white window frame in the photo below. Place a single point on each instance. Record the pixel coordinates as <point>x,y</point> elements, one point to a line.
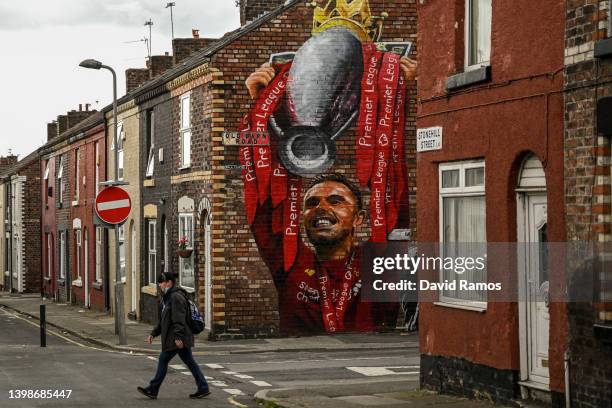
<point>182,221</point>
<point>460,191</point>
<point>166,247</point>
<point>122,263</point>
<point>152,251</point>
<point>79,255</point>
<point>120,151</point>
<point>49,254</point>
<point>60,180</point>
<point>97,176</point>
<point>468,64</point>
<point>46,183</point>
<point>62,255</point>
<point>185,132</point>
<point>77,167</point>
<point>99,249</point>
<point>151,134</point>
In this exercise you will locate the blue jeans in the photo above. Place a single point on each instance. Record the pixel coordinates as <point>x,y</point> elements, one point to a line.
<point>162,369</point>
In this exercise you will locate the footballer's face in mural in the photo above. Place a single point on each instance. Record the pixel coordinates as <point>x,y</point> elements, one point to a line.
<point>331,214</point>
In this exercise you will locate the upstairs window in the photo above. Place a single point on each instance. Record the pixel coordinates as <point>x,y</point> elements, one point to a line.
<point>477,33</point>
<point>97,168</point>
<point>185,131</point>
<point>150,143</point>
<point>77,172</point>
<point>60,181</point>
<point>46,178</point>
<point>120,140</point>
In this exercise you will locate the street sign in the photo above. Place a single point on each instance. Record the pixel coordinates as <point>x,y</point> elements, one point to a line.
<point>113,205</point>
<point>429,139</point>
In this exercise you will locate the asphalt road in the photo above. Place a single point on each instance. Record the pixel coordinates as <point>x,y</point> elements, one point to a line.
<point>102,378</point>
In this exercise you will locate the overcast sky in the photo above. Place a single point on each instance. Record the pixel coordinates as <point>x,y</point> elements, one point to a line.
<point>43,42</point>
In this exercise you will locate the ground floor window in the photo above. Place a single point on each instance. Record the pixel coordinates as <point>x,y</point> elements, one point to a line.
<point>78,255</point>
<point>186,265</point>
<point>99,249</point>
<point>463,223</point>
<point>122,253</point>
<point>49,254</point>
<point>152,251</point>
<point>62,254</point>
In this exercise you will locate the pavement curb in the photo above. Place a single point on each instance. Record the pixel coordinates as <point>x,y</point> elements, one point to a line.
<point>81,336</point>
<point>261,397</point>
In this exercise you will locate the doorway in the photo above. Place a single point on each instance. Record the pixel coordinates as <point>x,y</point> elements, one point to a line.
<point>533,274</point>
<point>206,261</point>
<point>134,282</point>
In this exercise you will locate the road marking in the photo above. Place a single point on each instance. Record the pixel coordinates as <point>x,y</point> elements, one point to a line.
<point>261,383</point>
<point>233,391</point>
<point>229,372</point>
<point>243,376</point>
<point>380,371</point>
<point>236,403</point>
<point>219,384</point>
<point>152,358</point>
<point>178,366</point>
<point>213,366</point>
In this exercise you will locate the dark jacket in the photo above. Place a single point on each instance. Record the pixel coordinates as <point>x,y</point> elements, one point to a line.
<point>173,324</point>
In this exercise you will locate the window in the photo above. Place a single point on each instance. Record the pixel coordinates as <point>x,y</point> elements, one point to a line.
<point>152,251</point>
<point>99,249</point>
<point>185,131</point>
<point>60,181</point>
<point>122,253</point>
<point>62,255</point>
<point>120,140</point>
<point>77,172</point>
<point>49,254</point>
<point>477,33</point>
<point>97,168</point>
<point>463,225</point>
<point>46,186</point>
<point>150,142</point>
<point>166,248</point>
<point>77,238</point>
<point>186,266</point>
<point>86,260</point>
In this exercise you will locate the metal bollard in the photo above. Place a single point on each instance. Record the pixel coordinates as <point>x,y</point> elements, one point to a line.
<point>43,326</point>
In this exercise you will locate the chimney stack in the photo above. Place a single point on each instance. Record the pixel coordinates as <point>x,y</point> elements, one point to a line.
<point>158,64</point>
<point>251,9</point>
<point>195,33</point>
<point>183,48</point>
<point>51,131</point>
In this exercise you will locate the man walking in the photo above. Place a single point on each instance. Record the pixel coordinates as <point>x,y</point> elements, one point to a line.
<point>176,337</point>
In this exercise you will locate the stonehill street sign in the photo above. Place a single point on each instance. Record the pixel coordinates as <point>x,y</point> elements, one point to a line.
<point>429,139</point>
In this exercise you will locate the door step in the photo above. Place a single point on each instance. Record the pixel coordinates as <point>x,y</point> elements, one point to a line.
<point>534,395</point>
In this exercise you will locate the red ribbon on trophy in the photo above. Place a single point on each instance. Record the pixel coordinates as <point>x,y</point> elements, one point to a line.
<point>291,219</point>
<point>365,146</point>
<point>267,103</point>
<point>249,176</point>
<point>387,88</point>
<point>398,170</point>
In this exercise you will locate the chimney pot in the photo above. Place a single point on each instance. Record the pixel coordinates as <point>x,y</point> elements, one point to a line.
<point>195,33</point>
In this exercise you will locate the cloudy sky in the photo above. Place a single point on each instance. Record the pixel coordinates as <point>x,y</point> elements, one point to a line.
<point>43,42</point>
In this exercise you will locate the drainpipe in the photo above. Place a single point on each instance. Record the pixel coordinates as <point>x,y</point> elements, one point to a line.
<point>10,223</point>
<point>568,398</point>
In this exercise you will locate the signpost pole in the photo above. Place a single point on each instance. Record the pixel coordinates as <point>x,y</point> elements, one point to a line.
<point>119,311</point>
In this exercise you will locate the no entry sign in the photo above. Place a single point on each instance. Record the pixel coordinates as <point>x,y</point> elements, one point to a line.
<point>113,205</point>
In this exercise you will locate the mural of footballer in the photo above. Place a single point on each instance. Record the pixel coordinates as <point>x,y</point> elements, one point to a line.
<point>319,288</point>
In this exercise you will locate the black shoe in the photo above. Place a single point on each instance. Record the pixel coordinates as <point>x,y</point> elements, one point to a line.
<point>146,392</point>
<point>199,394</point>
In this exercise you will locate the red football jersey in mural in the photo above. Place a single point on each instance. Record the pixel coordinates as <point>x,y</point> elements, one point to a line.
<point>300,289</point>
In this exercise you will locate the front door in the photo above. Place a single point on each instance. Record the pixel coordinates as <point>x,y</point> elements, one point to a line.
<point>535,319</point>
<point>133,264</point>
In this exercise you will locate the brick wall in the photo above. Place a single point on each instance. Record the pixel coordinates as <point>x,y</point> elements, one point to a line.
<point>251,9</point>
<point>182,48</point>
<point>588,185</point>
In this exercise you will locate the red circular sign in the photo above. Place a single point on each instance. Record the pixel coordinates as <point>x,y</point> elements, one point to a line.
<point>113,205</point>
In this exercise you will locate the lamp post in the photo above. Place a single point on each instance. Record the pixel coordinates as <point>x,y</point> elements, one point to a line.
<point>119,306</point>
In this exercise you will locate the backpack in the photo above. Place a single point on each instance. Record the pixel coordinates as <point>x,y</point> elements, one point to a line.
<point>195,319</point>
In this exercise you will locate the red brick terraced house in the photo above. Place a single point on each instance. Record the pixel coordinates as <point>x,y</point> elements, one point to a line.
<point>491,86</point>
<point>87,153</point>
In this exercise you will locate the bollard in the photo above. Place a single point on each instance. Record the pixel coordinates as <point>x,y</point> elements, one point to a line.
<point>43,327</point>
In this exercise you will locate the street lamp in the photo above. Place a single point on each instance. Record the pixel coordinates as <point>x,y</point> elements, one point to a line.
<point>119,307</point>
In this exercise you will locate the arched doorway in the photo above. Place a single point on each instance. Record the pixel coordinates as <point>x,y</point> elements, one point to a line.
<point>533,274</point>
<point>133,273</point>
<point>205,257</point>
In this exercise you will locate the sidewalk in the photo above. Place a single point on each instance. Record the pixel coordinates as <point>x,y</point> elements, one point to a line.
<point>337,398</point>
<point>98,329</point>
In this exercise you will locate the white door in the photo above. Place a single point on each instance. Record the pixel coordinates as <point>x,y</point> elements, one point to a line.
<point>208,274</point>
<point>133,262</point>
<point>534,279</point>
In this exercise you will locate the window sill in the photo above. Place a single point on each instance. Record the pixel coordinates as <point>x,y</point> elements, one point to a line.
<point>75,203</point>
<point>603,48</point>
<point>149,290</point>
<point>78,283</point>
<point>468,77</point>
<point>603,332</point>
<point>149,183</point>
<point>98,285</point>
<point>61,282</point>
<point>47,279</point>
<point>467,307</point>
<point>183,168</point>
